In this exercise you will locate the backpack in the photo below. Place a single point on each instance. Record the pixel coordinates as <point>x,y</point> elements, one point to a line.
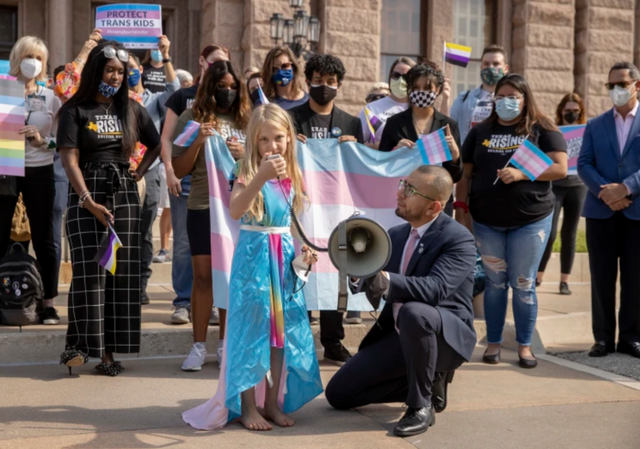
<point>20,288</point>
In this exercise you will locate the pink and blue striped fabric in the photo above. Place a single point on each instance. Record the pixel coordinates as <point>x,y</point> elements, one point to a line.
<point>262,96</point>
<point>434,148</point>
<point>530,160</point>
<point>188,135</point>
<point>339,179</point>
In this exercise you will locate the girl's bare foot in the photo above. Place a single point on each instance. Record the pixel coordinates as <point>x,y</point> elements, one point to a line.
<point>254,421</point>
<point>278,416</point>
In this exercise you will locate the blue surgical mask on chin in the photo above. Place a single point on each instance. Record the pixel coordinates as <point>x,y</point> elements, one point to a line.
<point>106,90</point>
<point>508,109</point>
<point>156,55</point>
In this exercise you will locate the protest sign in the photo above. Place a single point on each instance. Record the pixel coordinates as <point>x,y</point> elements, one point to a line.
<point>573,136</point>
<point>11,121</point>
<point>136,26</point>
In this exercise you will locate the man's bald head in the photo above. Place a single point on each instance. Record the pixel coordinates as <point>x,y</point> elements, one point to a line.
<point>436,181</point>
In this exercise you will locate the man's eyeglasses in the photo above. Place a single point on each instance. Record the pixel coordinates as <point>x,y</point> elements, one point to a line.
<point>622,84</point>
<point>110,53</point>
<point>375,97</point>
<point>285,66</point>
<point>409,190</point>
<point>396,75</point>
<point>510,97</point>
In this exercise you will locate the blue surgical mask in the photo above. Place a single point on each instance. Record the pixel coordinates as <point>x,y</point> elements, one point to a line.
<point>106,90</point>
<point>508,109</point>
<point>156,55</point>
<point>283,77</point>
<point>134,77</point>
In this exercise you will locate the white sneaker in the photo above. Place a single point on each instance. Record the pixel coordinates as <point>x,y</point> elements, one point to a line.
<point>220,351</point>
<point>196,358</point>
<point>214,319</point>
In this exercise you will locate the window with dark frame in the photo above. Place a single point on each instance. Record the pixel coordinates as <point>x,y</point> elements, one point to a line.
<point>8,30</point>
<point>401,33</point>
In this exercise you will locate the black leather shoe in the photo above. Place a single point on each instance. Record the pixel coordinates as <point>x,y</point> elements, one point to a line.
<point>491,359</point>
<point>630,348</point>
<point>602,348</point>
<point>415,421</point>
<point>439,390</point>
<point>527,363</point>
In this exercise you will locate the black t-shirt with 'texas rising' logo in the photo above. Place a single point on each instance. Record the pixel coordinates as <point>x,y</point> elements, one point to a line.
<point>488,147</point>
<point>96,131</point>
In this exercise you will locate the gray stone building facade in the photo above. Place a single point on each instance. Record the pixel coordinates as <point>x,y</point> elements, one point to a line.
<point>558,45</point>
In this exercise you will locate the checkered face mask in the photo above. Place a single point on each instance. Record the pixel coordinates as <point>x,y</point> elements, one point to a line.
<point>422,99</point>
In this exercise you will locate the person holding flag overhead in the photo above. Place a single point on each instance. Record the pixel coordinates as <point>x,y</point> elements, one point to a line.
<point>512,212</point>
<point>424,82</point>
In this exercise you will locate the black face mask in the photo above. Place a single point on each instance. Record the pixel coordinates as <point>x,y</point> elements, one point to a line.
<point>571,117</point>
<point>322,94</point>
<point>255,96</point>
<point>225,97</point>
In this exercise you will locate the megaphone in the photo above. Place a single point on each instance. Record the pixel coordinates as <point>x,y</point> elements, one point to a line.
<point>358,247</point>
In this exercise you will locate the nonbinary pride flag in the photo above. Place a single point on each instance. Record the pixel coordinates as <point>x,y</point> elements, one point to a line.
<point>434,148</point>
<point>373,123</point>
<point>457,54</point>
<point>188,135</point>
<point>11,121</point>
<point>106,255</point>
<point>531,160</point>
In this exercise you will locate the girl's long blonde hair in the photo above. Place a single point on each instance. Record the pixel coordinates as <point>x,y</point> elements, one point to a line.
<point>275,115</point>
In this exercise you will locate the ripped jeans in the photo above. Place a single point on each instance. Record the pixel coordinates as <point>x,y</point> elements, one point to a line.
<point>511,257</point>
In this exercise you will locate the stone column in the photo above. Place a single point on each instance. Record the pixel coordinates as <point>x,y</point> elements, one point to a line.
<point>60,32</point>
<point>351,31</point>
<point>604,35</point>
<point>542,48</point>
<point>223,24</point>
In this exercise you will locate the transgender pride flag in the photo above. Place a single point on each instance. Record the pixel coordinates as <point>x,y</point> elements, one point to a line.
<point>339,179</point>
<point>188,135</point>
<point>530,160</point>
<point>434,148</point>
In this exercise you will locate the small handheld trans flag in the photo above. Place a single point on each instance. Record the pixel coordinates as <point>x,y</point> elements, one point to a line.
<point>106,256</point>
<point>530,160</point>
<point>263,98</point>
<point>188,135</point>
<point>434,148</point>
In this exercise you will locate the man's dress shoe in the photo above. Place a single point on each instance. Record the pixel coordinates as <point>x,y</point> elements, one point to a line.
<point>602,348</point>
<point>630,348</point>
<point>439,390</point>
<point>415,421</point>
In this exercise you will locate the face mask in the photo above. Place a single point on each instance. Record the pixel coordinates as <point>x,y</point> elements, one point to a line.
<point>422,99</point>
<point>322,94</point>
<point>508,109</point>
<point>570,117</point>
<point>134,77</point>
<point>399,88</point>
<point>491,75</point>
<point>30,68</point>
<point>225,98</point>
<point>41,83</point>
<point>106,90</point>
<point>255,96</point>
<point>283,77</point>
<point>156,55</point>
<point>620,96</point>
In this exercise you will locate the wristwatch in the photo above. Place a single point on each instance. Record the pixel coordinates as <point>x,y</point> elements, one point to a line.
<point>164,61</point>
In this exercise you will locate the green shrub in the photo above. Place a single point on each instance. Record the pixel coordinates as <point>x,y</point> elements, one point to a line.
<point>581,242</point>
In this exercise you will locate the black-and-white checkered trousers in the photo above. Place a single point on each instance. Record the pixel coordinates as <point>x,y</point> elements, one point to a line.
<point>104,310</point>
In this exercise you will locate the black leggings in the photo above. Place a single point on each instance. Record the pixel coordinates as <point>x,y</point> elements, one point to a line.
<point>571,200</point>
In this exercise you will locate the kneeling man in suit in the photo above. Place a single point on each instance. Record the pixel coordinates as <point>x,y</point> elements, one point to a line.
<point>425,330</point>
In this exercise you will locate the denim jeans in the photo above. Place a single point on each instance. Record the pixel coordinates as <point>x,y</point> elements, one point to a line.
<point>511,257</point>
<point>181,270</point>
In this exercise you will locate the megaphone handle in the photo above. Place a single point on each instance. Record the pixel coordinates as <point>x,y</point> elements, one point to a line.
<point>343,296</point>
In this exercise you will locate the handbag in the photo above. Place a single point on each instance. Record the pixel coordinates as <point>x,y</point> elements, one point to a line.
<point>8,186</point>
<point>20,229</point>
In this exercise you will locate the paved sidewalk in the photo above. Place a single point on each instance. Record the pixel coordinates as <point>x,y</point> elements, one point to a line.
<point>493,407</point>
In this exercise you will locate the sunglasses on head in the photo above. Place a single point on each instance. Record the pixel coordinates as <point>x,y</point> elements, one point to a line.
<point>622,84</point>
<point>110,53</point>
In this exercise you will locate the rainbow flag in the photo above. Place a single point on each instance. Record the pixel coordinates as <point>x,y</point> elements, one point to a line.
<point>11,121</point>
<point>106,256</point>
<point>457,54</point>
<point>188,135</point>
<point>530,160</point>
<point>434,148</point>
<point>339,179</point>
<point>262,96</point>
<point>573,135</point>
<point>373,123</point>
